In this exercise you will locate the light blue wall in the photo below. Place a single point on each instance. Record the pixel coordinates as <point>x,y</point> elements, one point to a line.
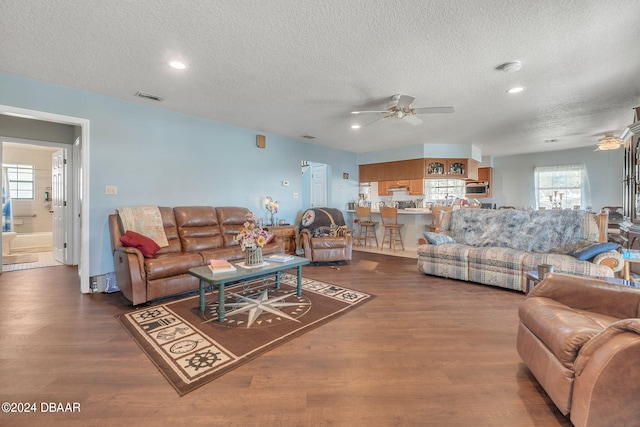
<point>159,157</point>
<point>513,181</point>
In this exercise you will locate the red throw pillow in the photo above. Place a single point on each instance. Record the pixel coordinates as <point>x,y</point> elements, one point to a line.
<point>136,240</point>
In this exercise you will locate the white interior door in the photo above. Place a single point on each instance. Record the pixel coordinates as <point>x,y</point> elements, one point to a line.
<point>318,185</point>
<point>59,204</point>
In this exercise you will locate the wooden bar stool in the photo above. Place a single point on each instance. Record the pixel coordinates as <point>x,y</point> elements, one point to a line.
<point>367,226</point>
<point>389,218</point>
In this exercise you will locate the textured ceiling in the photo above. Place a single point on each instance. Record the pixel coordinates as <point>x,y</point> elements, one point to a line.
<point>295,68</point>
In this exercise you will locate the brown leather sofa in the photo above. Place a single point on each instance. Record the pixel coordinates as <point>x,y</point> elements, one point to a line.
<point>325,237</point>
<point>580,338</point>
<point>196,234</point>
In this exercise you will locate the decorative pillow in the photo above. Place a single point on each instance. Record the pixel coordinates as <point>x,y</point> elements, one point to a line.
<point>143,243</point>
<point>445,220</point>
<point>592,250</point>
<point>590,228</point>
<point>437,238</point>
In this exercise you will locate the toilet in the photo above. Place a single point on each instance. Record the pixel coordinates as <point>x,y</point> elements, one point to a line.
<point>7,237</point>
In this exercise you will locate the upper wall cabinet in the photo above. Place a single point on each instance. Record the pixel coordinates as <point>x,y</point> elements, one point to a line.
<point>389,171</point>
<point>451,168</point>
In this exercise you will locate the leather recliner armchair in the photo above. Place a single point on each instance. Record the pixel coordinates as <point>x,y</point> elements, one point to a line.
<point>325,237</point>
<point>580,338</point>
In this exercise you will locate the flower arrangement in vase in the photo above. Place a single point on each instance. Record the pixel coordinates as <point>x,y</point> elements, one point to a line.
<point>252,235</point>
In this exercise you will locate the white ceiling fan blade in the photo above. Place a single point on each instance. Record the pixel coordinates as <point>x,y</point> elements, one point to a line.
<point>404,101</point>
<point>434,110</point>
<point>376,120</point>
<point>367,112</point>
<point>413,120</point>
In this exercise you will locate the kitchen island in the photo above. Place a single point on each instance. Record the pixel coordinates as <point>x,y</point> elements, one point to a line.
<point>416,221</point>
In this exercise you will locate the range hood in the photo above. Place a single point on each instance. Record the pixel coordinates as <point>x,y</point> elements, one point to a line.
<point>398,189</point>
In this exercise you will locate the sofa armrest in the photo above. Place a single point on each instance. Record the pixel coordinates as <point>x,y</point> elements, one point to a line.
<point>131,277</point>
<point>590,294</point>
<point>607,381</point>
<point>306,243</point>
<point>612,259</point>
<point>601,339</point>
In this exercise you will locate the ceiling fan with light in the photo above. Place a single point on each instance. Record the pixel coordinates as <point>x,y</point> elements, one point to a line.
<point>400,108</point>
<point>609,142</point>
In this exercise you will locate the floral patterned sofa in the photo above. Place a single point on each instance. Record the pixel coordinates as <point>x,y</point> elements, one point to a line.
<point>499,247</point>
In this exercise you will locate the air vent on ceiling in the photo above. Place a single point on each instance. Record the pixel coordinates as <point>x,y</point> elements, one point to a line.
<point>149,96</point>
<point>308,137</point>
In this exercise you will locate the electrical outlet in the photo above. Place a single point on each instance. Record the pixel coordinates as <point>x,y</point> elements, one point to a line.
<point>111,190</point>
<point>94,284</point>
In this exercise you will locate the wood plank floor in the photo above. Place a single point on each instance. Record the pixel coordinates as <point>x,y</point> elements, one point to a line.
<point>427,351</point>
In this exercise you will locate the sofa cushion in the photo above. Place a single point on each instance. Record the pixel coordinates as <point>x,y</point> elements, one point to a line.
<point>198,228</point>
<point>144,244</point>
<point>446,260</point>
<point>437,238</point>
<point>328,242</point>
<point>497,266</point>
<point>171,231</point>
<point>231,220</point>
<point>167,265</point>
<point>563,329</point>
<point>592,250</point>
<point>566,264</point>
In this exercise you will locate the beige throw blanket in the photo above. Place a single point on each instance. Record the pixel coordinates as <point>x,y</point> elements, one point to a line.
<point>145,220</point>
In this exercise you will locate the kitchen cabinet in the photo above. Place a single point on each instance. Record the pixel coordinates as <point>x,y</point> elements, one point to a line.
<point>404,170</point>
<point>371,173</point>
<point>451,168</point>
<point>485,174</point>
<point>414,186</point>
<point>389,171</point>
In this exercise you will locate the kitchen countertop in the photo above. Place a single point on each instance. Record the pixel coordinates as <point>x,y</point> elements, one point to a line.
<point>408,211</point>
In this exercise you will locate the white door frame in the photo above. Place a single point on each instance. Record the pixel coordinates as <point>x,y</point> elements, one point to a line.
<point>82,200</point>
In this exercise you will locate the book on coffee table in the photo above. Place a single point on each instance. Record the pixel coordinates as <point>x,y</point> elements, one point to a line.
<point>633,254</point>
<point>221,266</point>
<point>279,257</point>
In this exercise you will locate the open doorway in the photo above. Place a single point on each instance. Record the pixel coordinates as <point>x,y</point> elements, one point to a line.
<point>78,251</point>
<point>34,226</point>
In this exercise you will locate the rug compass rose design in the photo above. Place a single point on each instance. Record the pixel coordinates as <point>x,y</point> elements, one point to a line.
<point>263,305</point>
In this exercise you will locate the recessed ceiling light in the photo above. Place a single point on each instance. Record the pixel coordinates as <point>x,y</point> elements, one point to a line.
<point>177,65</point>
<point>355,126</point>
<point>355,112</point>
<point>516,89</point>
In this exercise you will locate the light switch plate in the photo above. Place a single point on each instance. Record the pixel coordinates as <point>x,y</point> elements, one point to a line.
<point>111,190</point>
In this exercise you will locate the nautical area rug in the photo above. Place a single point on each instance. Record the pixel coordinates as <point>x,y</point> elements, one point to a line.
<point>192,348</point>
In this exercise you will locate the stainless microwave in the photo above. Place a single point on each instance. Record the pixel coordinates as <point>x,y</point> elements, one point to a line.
<point>477,189</point>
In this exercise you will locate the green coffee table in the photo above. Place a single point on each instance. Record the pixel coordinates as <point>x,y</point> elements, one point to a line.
<point>243,275</point>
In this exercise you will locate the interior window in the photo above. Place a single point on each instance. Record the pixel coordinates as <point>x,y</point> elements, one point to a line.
<point>20,180</point>
<point>444,190</point>
<point>560,187</point>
